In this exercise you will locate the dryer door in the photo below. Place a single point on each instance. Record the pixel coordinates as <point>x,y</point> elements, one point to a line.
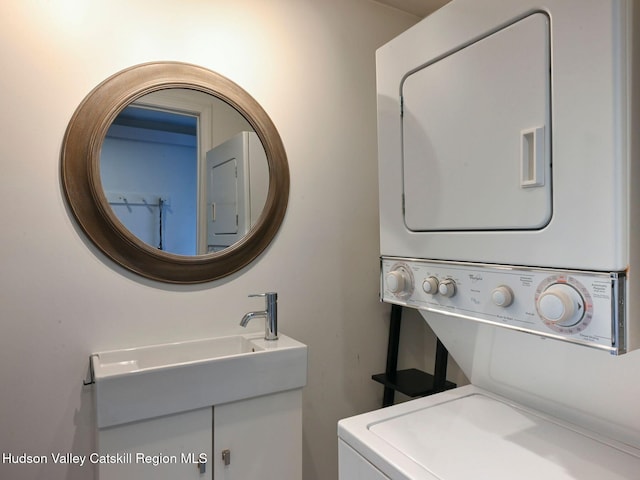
<point>477,133</point>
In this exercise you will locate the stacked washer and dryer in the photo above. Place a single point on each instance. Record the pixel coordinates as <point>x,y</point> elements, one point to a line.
<point>509,141</point>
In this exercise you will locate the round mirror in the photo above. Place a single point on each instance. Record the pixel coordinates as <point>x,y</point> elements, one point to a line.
<point>175,172</point>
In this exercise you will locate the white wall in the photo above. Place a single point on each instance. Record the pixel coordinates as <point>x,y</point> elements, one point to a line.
<point>310,63</point>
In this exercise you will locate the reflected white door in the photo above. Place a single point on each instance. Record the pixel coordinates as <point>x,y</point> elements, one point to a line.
<point>237,187</point>
<point>223,195</point>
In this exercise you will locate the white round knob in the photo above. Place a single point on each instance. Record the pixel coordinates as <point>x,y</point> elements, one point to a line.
<point>430,285</point>
<point>502,296</point>
<point>396,281</point>
<point>561,305</point>
<point>447,288</point>
<point>399,281</point>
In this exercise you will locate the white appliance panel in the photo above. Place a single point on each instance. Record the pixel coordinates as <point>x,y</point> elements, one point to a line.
<point>476,134</point>
<point>575,306</point>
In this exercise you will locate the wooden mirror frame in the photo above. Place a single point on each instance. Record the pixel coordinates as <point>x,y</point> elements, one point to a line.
<point>80,165</point>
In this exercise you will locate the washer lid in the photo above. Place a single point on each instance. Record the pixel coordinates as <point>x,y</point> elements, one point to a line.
<point>480,437</point>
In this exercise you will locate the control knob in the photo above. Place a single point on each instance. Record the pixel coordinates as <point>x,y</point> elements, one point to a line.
<point>447,288</point>
<point>502,296</point>
<point>561,304</point>
<point>430,285</point>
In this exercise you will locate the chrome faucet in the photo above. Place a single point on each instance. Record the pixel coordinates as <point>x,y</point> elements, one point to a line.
<point>270,314</point>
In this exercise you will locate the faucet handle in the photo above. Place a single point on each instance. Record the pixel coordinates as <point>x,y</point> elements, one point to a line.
<point>267,295</point>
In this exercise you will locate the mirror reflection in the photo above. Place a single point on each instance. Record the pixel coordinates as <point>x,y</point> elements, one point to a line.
<point>184,172</point>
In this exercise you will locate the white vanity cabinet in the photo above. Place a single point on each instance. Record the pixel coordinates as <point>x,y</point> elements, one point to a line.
<point>166,447</point>
<point>263,436</point>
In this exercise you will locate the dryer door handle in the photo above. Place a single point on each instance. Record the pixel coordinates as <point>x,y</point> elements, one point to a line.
<point>532,157</point>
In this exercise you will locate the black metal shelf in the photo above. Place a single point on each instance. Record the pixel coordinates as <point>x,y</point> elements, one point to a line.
<point>411,382</point>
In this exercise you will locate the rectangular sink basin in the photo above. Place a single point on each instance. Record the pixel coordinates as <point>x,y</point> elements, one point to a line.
<point>150,381</point>
<point>118,362</point>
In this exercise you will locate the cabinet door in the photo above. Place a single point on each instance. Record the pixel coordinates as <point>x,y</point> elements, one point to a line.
<point>167,447</point>
<point>261,438</point>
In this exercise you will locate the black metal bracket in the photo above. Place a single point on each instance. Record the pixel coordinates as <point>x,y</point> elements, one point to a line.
<point>411,382</point>
<point>92,375</point>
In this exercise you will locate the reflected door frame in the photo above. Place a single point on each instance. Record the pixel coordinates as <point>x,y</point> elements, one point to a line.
<point>178,101</point>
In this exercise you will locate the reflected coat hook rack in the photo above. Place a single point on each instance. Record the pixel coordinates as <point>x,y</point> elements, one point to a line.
<point>143,199</point>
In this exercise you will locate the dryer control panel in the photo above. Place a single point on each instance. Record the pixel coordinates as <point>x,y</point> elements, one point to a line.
<point>575,306</point>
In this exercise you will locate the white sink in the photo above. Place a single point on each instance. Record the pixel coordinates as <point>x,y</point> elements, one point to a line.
<point>150,381</point>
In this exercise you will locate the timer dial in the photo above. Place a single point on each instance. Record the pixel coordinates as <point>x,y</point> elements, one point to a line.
<point>399,281</point>
<point>561,304</point>
<point>395,281</point>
